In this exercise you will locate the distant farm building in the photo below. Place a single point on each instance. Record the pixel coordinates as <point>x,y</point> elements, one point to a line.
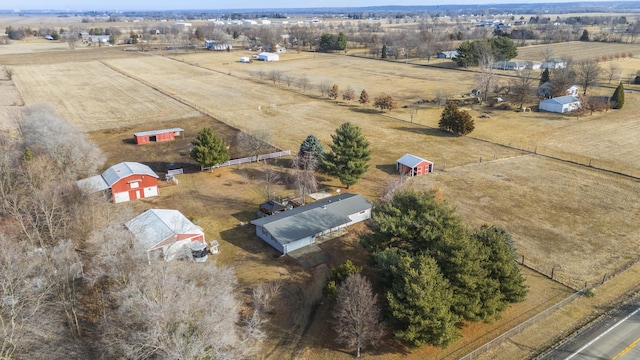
<point>301,226</point>
<point>157,135</point>
<point>560,104</point>
<point>510,65</point>
<point>554,64</point>
<point>217,45</point>
<point>412,165</point>
<point>268,56</point>
<point>245,59</point>
<point>167,235</point>
<point>447,54</point>
<point>125,181</point>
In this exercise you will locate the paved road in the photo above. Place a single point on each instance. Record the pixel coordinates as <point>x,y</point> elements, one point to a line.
<point>616,337</point>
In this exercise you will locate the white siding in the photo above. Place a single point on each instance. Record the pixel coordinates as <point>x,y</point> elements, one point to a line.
<point>151,191</point>
<point>120,197</point>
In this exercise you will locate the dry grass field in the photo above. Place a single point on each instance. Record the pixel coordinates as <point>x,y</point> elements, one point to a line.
<point>570,217</point>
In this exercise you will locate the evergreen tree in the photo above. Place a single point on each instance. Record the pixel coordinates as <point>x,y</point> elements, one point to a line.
<point>349,156</point>
<point>209,149</point>
<point>342,41</point>
<point>312,146</point>
<point>617,100</point>
<point>501,262</point>
<point>585,35</point>
<point>545,77</point>
<point>338,275</point>
<point>384,52</point>
<point>456,121</point>
<point>419,303</point>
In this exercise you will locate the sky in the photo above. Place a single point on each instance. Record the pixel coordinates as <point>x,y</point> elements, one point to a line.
<point>123,5</point>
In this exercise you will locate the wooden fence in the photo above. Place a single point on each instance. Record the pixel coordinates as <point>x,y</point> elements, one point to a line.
<point>248,160</point>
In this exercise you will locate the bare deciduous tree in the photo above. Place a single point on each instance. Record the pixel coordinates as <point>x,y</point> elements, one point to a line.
<point>588,73</point>
<point>303,83</point>
<point>349,94</point>
<point>275,76</point>
<point>256,142</point>
<point>268,184</point>
<point>264,295</point>
<point>324,87</point>
<point>303,175</point>
<point>357,314</point>
<point>67,146</point>
<point>522,87</point>
<point>441,97</point>
<point>486,80</point>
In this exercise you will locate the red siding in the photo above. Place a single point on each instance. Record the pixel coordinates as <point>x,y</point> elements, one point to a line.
<point>420,169</point>
<point>168,136</point>
<point>124,185</point>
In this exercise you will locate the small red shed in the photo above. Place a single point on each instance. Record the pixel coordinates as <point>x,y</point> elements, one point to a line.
<point>157,135</point>
<point>127,181</point>
<point>413,165</point>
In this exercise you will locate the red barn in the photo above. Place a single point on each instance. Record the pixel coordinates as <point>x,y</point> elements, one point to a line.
<point>126,181</point>
<point>156,135</point>
<point>413,166</point>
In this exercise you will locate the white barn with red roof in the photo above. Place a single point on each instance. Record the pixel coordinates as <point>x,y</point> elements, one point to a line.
<point>126,181</point>
<point>412,165</point>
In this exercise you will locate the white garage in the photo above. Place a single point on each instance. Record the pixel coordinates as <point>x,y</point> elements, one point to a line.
<point>268,56</point>
<point>560,104</point>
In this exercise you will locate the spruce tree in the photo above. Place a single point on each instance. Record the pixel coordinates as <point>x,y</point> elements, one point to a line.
<point>420,303</point>
<point>456,121</point>
<point>501,264</point>
<point>617,100</point>
<point>349,156</point>
<point>384,52</point>
<point>208,149</point>
<point>312,146</point>
<point>545,77</point>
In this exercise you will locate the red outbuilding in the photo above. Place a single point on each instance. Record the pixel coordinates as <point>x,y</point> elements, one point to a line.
<point>156,135</point>
<point>412,165</point>
<point>126,181</point>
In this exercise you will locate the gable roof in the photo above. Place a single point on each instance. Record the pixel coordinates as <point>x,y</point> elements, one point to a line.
<point>411,160</point>
<point>564,100</point>
<point>124,169</point>
<point>314,218</point>
<point>112,175</point>
<point>155,226</point>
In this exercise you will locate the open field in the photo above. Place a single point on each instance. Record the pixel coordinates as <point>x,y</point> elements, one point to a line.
<point>573,218</point>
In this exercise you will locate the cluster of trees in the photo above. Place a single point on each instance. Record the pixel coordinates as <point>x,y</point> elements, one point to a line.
<point>329,42</point>
<point>485,51</point>
<point>17,34</point>
<point>76,283</point>
<point>435,272</point>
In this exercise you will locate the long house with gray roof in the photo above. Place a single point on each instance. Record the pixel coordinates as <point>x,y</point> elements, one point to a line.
<point>301,226</point>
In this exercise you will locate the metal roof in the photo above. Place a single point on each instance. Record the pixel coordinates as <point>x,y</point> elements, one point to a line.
<point>564,100</point>
<point>124,169</point>
<point>411,160</point>
<point>314,218</point>
<point>157,225</point>
<point>156,132</point>
<point>93,184</point>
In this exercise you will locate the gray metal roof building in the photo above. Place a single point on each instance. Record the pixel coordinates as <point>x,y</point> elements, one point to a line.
<point>296,228</point>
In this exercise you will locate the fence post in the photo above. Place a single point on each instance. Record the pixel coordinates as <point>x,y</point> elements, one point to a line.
<point>604,278</point>
<point>553,270</point>
<point>522,259</point>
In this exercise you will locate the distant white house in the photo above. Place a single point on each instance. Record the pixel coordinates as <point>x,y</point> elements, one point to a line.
<point>447,54</point>
<point>554,64</point>
<point>510,65</point>
<point>301,226</point>
<point>168,235</point>
<point>533,65</point>
<point>268,56</point>
<point>545,90</point>
<point>560,104</point>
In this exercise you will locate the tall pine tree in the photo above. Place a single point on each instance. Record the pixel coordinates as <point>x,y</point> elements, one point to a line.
<point>209,149</point>
<point>349,156</point>
<point>545,76</point>
<point>617,100</point>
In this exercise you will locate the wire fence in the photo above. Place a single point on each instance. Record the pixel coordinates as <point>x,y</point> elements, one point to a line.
<point>520,327</point>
